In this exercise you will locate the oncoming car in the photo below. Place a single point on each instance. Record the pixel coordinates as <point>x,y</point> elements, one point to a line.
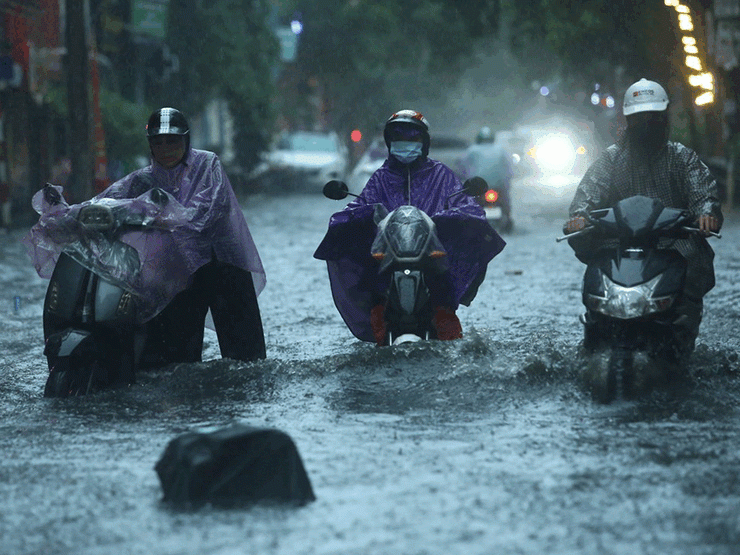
<point>303,161</point>
<point>556,149</point>
<point>557,152</point>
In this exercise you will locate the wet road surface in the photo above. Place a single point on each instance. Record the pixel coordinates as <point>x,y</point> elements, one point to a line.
<point>484,445</point>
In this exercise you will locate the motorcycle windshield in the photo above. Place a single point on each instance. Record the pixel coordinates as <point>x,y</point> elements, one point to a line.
<point>406,234</point>
<point>638,217</point>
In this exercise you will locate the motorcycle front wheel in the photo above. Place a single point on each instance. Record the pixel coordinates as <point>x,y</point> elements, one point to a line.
<point>66,381</point>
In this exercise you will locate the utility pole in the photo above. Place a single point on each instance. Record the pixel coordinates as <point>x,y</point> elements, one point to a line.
<point>78,97</point>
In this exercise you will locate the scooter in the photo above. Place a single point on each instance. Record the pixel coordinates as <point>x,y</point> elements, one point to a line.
<point>409,253</point>
<point>495,202</point>
<point>93,340</point>
<point>631,288</point>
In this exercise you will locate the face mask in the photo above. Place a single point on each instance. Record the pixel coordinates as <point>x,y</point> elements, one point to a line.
<point>648,137</point>
<point>406,151</point>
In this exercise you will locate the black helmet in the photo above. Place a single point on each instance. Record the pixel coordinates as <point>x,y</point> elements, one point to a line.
<point>405,118</point>
<point>167,121</point>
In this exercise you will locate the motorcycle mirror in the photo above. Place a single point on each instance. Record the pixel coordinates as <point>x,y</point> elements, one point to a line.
<point>336,190</point>
<point>475,186</point>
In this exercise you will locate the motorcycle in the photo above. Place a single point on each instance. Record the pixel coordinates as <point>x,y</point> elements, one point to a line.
<point>409,253</point>
<point>94,337</point>
<point>495,202</point>
<point>631,288</point>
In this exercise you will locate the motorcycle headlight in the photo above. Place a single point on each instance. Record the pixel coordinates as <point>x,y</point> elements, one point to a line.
<point>629,302</point>
<point>97,217</point>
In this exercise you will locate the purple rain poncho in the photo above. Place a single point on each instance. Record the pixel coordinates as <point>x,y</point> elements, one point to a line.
<point>470,242</point>
<point>201,220</point>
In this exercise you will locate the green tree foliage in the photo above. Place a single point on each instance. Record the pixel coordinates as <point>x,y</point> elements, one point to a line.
<point>368,54</point>
<point>123,122</point>
<point>585,40</point>
<point>225,50</point>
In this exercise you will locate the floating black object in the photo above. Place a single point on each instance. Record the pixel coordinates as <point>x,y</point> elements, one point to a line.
<point>235,465</point>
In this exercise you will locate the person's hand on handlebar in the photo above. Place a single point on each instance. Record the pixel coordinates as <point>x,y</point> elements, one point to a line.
<point>708,224</point>
<point>576,223</point>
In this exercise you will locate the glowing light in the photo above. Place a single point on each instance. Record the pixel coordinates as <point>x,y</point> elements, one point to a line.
<point>671,2</point>
<point>690,49</point>
<point>705,98</point>
<point>610,102</point>
<point>703,80</point>
<point>693,62</point>
<point>555,153</point>
<point>544,91</point>
<point>581,150</point>
<point>685,23</point>
<point>682,9</point>
<point>491,196</point>
<point>296,26</point>
<point>595,98</point>
<point>356,135</point>
<point>688,40</point>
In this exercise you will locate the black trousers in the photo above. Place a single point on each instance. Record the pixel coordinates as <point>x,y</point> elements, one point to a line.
<point>690,310</point>
<point>176,334</point>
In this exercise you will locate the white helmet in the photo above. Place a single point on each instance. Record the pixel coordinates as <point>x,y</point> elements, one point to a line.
<point>644,96</point>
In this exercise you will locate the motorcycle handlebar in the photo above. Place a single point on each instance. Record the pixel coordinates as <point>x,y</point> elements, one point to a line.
<point>706,233</point>
<point>590,228</point>
<point>583,231</point>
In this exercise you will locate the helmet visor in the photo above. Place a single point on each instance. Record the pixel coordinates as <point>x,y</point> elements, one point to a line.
<point>400,132</point>
<point>166,129</point>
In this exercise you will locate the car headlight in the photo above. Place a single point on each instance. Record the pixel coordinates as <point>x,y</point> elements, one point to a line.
<point>555,153</point>
<point>629,302</point>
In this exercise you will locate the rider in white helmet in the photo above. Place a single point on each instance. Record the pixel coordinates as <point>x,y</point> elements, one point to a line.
<point>644,162</point>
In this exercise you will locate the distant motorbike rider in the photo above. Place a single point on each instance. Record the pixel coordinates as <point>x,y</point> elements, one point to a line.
<point>488,159</point>
<point>407,176</point>
<point>210,256</point>
<point>645,163</point>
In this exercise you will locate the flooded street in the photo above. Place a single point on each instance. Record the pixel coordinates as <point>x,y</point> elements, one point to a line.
<point>483,445</point>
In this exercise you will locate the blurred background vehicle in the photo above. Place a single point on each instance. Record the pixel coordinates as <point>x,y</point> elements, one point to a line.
<point>491,158</point>
<point>371,160</point>
<point>302,161</point>
<point>446,149</point>
<point>555,147</point>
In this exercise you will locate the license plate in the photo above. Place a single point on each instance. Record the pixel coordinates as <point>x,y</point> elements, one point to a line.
<point>494,212</point>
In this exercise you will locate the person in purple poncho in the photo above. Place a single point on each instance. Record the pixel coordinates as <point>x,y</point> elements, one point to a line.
<point>408,176</point>
<point>207,261</point>
<point>226,270</point>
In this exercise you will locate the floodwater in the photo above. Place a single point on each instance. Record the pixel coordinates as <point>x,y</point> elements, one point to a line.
<point>483,445</point>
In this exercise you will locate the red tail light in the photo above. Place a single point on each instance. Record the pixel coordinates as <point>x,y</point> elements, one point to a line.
<point>491,196</point>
